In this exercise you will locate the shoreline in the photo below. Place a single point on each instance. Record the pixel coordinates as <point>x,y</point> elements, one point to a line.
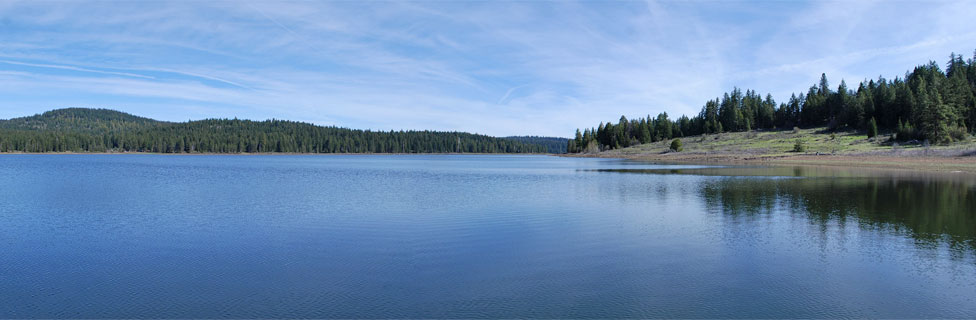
<point>910,162</point>
<point>271,154</point>
<point>902,162</point>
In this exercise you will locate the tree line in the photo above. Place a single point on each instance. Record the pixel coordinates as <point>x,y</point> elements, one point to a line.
<point>102,130</point>
<point>552,144</point>
<point>926,104</point>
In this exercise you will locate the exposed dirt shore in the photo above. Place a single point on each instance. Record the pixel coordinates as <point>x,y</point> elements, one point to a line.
<point>905,161</point>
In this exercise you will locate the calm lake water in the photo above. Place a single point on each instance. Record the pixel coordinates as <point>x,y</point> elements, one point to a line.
<point>127,236</point>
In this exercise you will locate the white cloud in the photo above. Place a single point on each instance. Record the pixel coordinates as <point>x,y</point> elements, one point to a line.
<point>501,68</point>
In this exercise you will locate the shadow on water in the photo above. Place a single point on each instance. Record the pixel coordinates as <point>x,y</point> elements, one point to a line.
<point>932,208</point>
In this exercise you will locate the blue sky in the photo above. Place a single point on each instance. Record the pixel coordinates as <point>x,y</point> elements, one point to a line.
<point>498,68</point>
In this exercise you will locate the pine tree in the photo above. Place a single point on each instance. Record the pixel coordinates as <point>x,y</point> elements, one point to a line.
<point>872,128</point>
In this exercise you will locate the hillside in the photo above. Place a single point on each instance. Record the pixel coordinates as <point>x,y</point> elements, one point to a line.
<point>820,147</point>
<point>784,142</point>
<point>103,130</point>
<point>80,120</point>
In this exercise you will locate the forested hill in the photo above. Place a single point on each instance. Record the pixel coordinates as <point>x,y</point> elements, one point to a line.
<point>927,104</point>
<point>103,130</point>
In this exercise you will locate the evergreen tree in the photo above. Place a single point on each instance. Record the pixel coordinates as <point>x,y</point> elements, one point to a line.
<point>941,105</point>
<point>932,115</point>
<point>872,128</point>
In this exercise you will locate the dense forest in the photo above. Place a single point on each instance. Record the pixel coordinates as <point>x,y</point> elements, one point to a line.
<point>552,144</point>
<point>102,130</point>
<point>927,104</point>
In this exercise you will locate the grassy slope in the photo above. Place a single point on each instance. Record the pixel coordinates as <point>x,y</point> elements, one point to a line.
<point>776,147</point>
<point>779,143</point>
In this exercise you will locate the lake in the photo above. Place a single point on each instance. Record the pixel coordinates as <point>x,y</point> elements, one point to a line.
<point>472,236</point>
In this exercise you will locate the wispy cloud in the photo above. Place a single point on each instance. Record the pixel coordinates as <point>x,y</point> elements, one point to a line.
<point>73,68</point>
<point>499,68</point>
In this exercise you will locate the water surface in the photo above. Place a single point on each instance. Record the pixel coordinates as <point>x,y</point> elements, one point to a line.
<point>129,236</point>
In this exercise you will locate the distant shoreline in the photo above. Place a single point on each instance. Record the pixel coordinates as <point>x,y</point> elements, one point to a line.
<point>264,154</point>
<point>85,130</point>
